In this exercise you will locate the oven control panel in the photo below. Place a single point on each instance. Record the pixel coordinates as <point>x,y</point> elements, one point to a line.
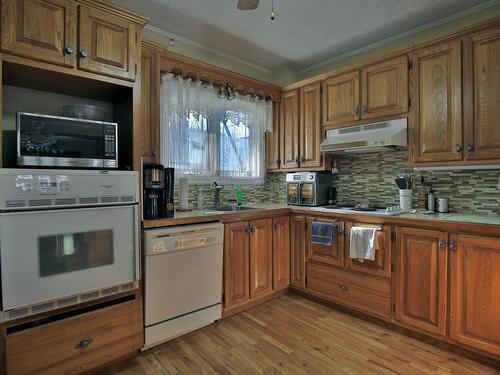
<point>42,183</point>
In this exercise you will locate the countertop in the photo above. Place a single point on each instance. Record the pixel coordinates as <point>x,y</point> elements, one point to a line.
<point>201,216</point>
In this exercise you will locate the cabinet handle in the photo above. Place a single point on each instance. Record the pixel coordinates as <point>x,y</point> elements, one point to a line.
<point>247,229</point>
<point>297,159</point>
<point>302,160</point>
<point>441,244</point>
<point>343,287</point>
<point>470,147</point>
<point>69,51</point>
<point>453,245</point>
<point>364,109</point>
<point>356,111</point>
<point>84,54</point>
<point>340,230</point>
<point>84,343</point>
<point>276,226</point>
<point>458,148</point>
<point>347,232</point>
<point>252,230</point>
<point>154,152</point>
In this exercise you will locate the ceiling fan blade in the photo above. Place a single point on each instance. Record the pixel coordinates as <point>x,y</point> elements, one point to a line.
<point>248,4</point>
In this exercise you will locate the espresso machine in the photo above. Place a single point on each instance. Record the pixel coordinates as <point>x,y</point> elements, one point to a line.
<point>158,185</point>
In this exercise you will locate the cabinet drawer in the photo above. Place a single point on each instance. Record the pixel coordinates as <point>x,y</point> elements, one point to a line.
<point>361,292</point>
<point>76,344</point>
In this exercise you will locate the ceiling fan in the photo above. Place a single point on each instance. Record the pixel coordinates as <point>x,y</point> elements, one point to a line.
<point>248,4</point>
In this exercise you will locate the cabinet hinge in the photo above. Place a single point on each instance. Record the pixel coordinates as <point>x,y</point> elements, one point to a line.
<point>392,267</point>
<point>321,90</point>
<point>393,236</point>
<point>393,307</point>
<point>410,65</point>
<point>409,103</point>
<point>135,69</point>
<point>305,225</point>
<point>136,38</point>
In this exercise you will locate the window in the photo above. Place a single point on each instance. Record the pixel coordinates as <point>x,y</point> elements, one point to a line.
<point>207,138</point>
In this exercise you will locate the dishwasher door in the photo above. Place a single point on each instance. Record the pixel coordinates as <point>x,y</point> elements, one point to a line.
<point>183,271</point>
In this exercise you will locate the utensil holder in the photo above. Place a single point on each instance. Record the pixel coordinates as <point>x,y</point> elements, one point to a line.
<point>405,198</point>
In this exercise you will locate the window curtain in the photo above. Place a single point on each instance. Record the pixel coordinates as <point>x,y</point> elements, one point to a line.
<point>208,138</point>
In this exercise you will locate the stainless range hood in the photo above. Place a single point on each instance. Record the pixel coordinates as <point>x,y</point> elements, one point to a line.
<point>374,137</point>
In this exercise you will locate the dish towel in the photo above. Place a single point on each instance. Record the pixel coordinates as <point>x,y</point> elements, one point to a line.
<point>362,243</point>
<point>322,233</point>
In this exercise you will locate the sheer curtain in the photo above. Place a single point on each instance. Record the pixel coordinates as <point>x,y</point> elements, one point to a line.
<point>209,138</point>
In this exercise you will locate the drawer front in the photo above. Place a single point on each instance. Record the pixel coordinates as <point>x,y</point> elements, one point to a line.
<point>361,292</point>
<point>77,344</point>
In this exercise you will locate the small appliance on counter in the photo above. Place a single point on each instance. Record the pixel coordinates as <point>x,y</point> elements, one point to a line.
<point>158,192</point>
<point>308,188</point>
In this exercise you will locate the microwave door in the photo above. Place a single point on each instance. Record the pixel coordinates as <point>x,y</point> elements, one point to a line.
<point>54,254</point>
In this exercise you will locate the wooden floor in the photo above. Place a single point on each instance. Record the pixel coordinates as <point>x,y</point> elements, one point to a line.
<point>292,335</point>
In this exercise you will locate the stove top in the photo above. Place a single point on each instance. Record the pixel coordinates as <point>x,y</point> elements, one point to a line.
<point>365,209</point>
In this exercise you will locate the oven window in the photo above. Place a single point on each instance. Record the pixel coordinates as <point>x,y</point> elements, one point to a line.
<point>293,193</point>
<point>307,193</point>
<point>63,253</point>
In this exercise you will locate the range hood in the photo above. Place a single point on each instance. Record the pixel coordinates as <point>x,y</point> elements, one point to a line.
<point>374,137</point>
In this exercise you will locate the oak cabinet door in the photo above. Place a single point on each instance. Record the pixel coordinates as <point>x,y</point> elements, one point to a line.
<point>381,265</point>
<point>281,252</point>
<point>483,128</point>
<point>107,44</point>
<point>310,126</point>
<point>437,120</point>
<point>331,254</point>
<point>44,30</point>
<point>261,258</point>
<point>421,279</point>
<point>475,292</point>
<point>341,99</point>
<point>289,129</point>
<point>273,142</point>
<point>236,264</point>
<point>298,251</point>
<point>384,88</point>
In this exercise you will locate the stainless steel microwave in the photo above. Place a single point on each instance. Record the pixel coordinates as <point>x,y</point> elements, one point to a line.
<point>54,141</point>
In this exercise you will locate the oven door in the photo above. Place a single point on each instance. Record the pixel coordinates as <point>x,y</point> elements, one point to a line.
<point>308,194</point>
<point>293,193</point>
<point>47,255</point>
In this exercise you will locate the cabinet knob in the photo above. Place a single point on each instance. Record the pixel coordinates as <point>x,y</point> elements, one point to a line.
<point>347,232</point>
<point>458,148</point>
<point>276,226</point>
<point>252,230</point>
<point>356,111</point>
<point>154,152</point>
<point>84,343</point>
<point>364,109</point>
<point>470,147</point>
<point>84,54</point>
<point>302,160</point>
<point>69,51</point>
<point>441,244</point>
<point>453,245</point>
<point>343,287</point>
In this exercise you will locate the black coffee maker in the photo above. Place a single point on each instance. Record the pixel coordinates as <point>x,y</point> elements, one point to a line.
<point>158,185</point>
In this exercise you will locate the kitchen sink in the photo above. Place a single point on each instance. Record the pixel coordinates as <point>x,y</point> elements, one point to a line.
<point>230,208</point>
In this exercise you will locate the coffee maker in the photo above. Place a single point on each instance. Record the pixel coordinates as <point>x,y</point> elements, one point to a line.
<point>158,200</point>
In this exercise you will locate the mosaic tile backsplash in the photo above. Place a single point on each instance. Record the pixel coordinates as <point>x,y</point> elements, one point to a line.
<point>370,178</point>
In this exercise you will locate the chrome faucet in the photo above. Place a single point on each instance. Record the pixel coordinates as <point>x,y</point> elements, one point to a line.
<point>217,189</point>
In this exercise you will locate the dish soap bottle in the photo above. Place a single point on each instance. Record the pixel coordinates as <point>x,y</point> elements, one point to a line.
<point>430,201</point>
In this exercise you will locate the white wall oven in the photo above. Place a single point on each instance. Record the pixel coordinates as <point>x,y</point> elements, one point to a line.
<point>66,237</point>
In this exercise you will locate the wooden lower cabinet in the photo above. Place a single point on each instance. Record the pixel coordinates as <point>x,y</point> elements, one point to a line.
<point>332,254</point>
<point>298,251</point>
<point>77,344</point>
<point>236,264</point>
<point>475,292</point>
<point>421,279</point>
<point>281,252</point>
<point>261,258</point>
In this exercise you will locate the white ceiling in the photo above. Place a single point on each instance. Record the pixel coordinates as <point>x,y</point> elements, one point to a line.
<point>304,34</point>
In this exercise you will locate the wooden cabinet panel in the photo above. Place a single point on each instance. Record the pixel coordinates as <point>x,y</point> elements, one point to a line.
<point>149,100</point>
<point>40,29</point>
<point>368,294</point>
<point>281,252</point>
<point>290,129</point>
<point>56,348</point>
<point>483,126</point>
<point>421,279</point>
<point>437,120</point>
<point>381,265</point>
<point>236,264</point>
<point>298,251</point>
<point>475,292</point>
<point>310,126</point>
<point>341,99</point>
<point>384,88</point>
<point>261,258</point>
<point>329,254</point>
<point>273,153</point>
<point>110,43</point>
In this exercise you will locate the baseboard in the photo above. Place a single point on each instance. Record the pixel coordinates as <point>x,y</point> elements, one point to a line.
<point>226,313</point>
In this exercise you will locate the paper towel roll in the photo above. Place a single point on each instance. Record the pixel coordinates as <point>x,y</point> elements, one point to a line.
<point>183,193</point>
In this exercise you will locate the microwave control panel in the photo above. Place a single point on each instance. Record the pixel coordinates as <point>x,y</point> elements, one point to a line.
<point>42,183</point>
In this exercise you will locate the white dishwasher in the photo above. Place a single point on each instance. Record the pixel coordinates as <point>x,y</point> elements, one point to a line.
<point>183,280</point>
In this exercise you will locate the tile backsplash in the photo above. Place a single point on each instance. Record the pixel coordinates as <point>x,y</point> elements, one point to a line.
<point>370,177</point>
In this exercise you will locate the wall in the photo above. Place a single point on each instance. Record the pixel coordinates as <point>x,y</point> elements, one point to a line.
<point>370,178</point>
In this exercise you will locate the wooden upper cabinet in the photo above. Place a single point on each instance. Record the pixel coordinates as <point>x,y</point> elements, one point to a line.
<point>341,99</point>
<point>261,258</point>
<point>273,142</point>
<point>43,30</point>
<point>107,44</point>
<point>475,292</point>
<point>298,251</point>
<point>236,264</point>
<point>384,88</point>
<point>289,129</point>
<point>437,119</point>
<point>310,126</point>
<point>422,279</point>
<point>281,252</point>
<point>331,254</point>
<point>482,129</point>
